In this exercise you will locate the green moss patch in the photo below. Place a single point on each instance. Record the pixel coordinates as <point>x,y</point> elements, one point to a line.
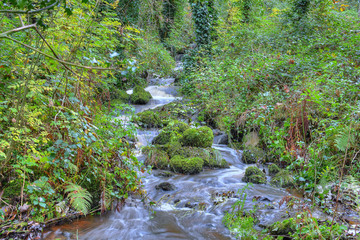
<point>274,169</point>
<point>254,175</point>
<point>198,137</point>
<point>140,96</point>
<point>157,158</point>
<point>148,119</point>
<point>183,165</point>
<point>283,179</point>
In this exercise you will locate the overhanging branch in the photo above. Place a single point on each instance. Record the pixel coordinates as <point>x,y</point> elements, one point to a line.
<point>54,58</point>
<point>31,11</point>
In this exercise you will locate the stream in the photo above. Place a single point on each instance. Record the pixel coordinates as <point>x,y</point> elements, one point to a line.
<point>194,210</point>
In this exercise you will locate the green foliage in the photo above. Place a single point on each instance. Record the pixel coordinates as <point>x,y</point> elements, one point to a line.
<point>80,198</point>
<point>55,136</point>
<point>240,222</point>
<point>283,179</point>
<point>157,158</point>
<point>273,169</point>
<point>295,83</point>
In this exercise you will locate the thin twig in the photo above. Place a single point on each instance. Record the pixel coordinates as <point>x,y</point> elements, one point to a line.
<point>54,58</point>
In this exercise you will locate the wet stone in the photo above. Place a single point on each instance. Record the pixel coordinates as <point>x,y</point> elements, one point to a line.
<point>164,174</point>
<point>165,186</point>
<point>190,205</point>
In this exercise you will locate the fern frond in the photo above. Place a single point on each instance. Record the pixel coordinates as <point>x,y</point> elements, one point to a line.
<point>80,198</point>
<point>106,200</point>
<point>344,139</point>
<point>72,168</point>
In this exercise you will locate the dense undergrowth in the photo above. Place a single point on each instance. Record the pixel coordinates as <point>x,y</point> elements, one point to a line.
<point>63,67</point>
<point>288,72</point>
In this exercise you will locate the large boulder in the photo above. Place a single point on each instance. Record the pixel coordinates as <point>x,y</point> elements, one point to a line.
<point>254,175</point>
<point>180,164</point>
<point>253,154</point>
<point>198,137</point>
<point>140,96</point>
<point>165,186</point>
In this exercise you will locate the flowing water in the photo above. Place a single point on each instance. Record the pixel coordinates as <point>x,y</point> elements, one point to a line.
<point>194,210</point>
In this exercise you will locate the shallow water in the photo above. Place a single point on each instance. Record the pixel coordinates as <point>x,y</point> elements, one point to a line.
<point>194,210</point>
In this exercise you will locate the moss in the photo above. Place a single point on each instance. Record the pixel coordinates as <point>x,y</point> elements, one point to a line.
<point>282,179</point>
<point>273,169</point>
<point>157,158</point>
<point>200,137</point>
<point>140,96</point>
<point>171,133</point>
<point>175,110</point>
<point>115,102</point>
<point>215,160</point>
<point>254,175</point>
<point>253,154</point>
<point>286,227</point>
<point>186,165</point>
<point>119,95</point>
<point>148,119</point>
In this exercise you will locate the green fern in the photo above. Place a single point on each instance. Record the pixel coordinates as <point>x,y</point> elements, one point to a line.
<point>80,198</point>
<point>344,139</point>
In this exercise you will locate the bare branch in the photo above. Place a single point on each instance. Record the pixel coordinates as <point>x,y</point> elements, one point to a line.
<point>32,11</point>
<point>54,58</point>
<point>4,34</point>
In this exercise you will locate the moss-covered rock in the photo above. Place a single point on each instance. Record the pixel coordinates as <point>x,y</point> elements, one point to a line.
<point>254,175</point>
<point>253,154</point>
<point>157,158</point>
<point>186,165</point>
<point>140,96</point>
<point>283,179</point>
<point>286,227</point>
<point>148,119</point>
<point>120,95</point>
<point>176,110</point>
<point>215,160</point>
<point>171,133</point>
<point>198,137</point>
<point>273,169</point>
<point>212,158</point>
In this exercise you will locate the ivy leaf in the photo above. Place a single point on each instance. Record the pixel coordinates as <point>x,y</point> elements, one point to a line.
<point>68,11</point>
